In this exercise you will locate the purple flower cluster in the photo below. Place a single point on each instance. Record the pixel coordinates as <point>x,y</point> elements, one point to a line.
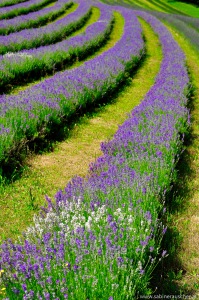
<point>68,91</point>
<point>49,34</point>
<point>22,8</point>
<point>44,59</point>
<point>32,19</point>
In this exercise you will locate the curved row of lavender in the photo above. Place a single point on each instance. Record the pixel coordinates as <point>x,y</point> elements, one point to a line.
<point>101,237</point>
<point>33,19</point>
<point>5,3</point>
<point>49,34</point>
<point>35,63</point>
<point>38,107</point>
<point>22,8</point>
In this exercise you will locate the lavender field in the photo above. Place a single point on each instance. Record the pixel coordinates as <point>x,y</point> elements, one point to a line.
<point>101,236</point>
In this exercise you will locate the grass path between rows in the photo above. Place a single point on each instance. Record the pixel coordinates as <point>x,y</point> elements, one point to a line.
<point>50,172</point>
<point>182,268</point>
<point>68,11</point>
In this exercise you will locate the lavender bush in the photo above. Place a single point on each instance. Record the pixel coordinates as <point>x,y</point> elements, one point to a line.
<point>49,34</point>
<point>22,8</point>
<point>33,19</point>
<point>34,63</point>
<point>102,234</point>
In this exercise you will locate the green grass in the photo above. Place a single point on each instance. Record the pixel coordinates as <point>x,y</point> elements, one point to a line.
<point>167,6</point>
<point>51,171</point>
<point>188,9</point>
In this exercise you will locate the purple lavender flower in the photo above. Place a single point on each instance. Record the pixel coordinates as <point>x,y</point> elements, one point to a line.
<point>164,253</point>
<point>141,272</point>
<point>75,267</point>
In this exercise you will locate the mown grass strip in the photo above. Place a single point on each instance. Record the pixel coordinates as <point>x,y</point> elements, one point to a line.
<point>51,171</point>
<point>180,270</point>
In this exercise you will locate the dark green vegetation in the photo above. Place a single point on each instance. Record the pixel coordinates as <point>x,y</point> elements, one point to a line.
<point>190,1</point>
